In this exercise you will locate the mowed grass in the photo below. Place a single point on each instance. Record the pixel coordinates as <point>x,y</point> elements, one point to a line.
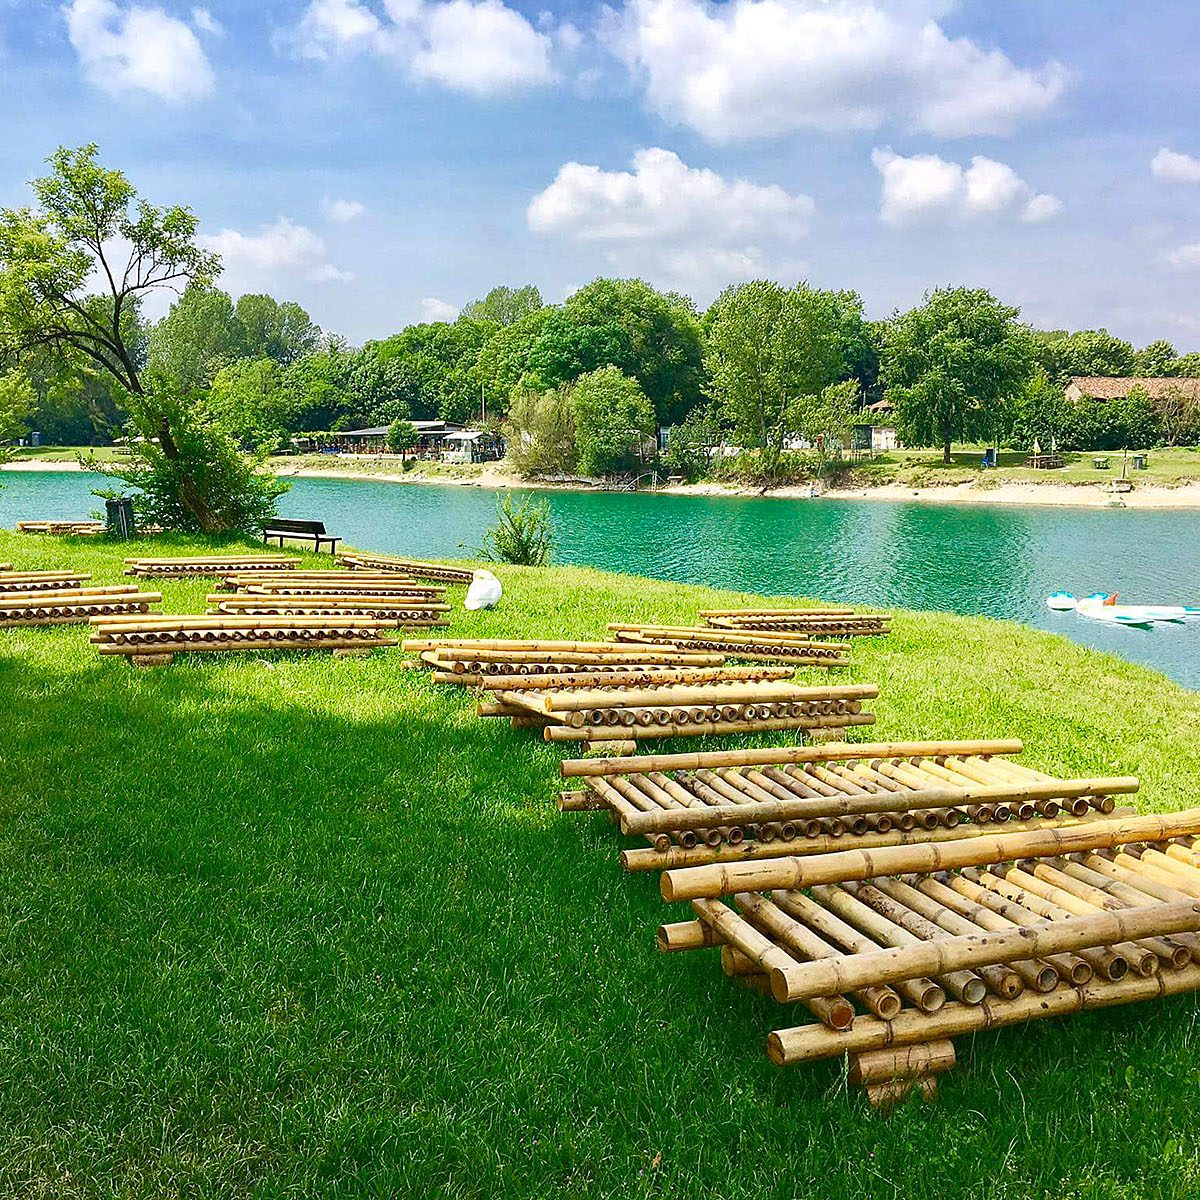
<point>305,927</point>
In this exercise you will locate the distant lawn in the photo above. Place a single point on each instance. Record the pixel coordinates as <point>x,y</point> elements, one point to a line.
<point>305,927</point>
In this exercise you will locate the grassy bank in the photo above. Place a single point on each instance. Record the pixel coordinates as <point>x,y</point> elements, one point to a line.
<point>309,927</point>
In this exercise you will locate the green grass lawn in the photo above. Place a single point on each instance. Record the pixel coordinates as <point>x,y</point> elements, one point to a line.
<point>306,927</point>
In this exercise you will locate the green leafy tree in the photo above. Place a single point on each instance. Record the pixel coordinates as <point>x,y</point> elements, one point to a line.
<point>503,362</point>
<point>319,388</point>
<point>566,348</point>
<point>504,305</point>
<point>402,437</point>
<point>540,432</point>
<point>1037,413</point>
<point>17,401</point>
<point>1155,360</point>
<point>73,272</point>
<point>653,338</point>
<point>249,401</point>
<point>265,328</point>
<point>1088,352</point>
<point>612,418</point>
<point>197,337</point>
<point>771,352</point>
<point>950,364</point>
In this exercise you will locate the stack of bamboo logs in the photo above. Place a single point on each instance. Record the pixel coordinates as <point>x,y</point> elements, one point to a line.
<point>331,583</point>
<point>744,805</point>
<point>897,950</point>
<point>42,581</point>
<point>154,641</point>
<point>73,605</point>
<point>815,622</point>
<point>62,528</point>
<point>604,713</point>
<point>208,564</point>
<point>395,611</point>
<point>747,644</point>
<point>358,560</point>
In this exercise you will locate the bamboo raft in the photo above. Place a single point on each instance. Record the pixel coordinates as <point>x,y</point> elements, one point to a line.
<point>722,706</point>
<point>397,611</point>
<point>209,564</point>
<point>474,661</point>
<point>743,806</point>
<point>155,640</point>
<point>897,951</point>
<point>42,581</point>
<point>62,528</point>
<point>330,583</point>
<point>746,644</point>
<point>73,606</point>
<point>815,622</point>
<point>417,568</point>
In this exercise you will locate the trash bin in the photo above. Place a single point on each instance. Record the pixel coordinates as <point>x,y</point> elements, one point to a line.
<point>120,517</point>
<point>1139,462</point>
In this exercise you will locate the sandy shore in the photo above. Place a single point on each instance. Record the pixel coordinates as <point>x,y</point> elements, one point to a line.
<point>1058,495</point>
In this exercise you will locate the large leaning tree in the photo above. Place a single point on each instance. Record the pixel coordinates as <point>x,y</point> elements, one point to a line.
<point>74,272</point>
<point>949,364</point>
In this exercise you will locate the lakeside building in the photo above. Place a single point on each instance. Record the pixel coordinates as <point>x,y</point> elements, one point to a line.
<point>1102,388</point>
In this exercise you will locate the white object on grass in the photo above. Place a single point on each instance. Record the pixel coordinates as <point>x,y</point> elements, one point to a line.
<point>484,592</point>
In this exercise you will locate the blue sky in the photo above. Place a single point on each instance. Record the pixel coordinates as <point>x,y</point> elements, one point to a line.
<point>387,160</point>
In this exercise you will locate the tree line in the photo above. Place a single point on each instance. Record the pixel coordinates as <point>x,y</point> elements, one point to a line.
<point>775,372</point>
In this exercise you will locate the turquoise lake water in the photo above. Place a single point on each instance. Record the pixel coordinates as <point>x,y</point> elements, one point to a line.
<point>1000,561</point>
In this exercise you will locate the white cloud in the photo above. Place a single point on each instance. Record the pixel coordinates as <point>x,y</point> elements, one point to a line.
<point>481,47</point>
<point>206,22</point>
<point>278,254</point>
<point>688,224</point>
<point>1187,256</point>
<point>760,68</point>
<point>433,309</point>
<point>1173,167</point>
<point>136,48</point>
<point>924,187</point>
<point>342,211</point>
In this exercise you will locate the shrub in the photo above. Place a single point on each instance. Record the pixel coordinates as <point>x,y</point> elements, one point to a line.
<point>540,432</point>
<point>204,484</point>
<point>523,534</point>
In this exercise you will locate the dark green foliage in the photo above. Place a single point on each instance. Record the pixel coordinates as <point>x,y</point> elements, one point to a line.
<point>402,437</point>
<point>951,364</point>
<point>613,419</point>
<point>523,534</point>
<point>690,444</point>
<point>649,336</point>
<point>1088,352</point>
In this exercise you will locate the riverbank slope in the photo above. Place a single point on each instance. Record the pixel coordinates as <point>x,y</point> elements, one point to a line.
<point>298,926</point>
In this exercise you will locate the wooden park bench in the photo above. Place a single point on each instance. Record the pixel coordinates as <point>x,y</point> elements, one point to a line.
<point>300,531</point>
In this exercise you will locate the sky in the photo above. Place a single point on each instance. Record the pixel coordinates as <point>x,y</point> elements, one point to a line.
<point>387,161</point>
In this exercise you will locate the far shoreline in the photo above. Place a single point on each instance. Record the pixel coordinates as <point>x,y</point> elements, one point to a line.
<point>1185,496</point>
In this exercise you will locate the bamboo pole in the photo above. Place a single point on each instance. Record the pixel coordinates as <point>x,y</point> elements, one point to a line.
<point>829,752</point>
<point>834,1011</point>
<point>797,938</point>
<point>959,953</point>
<point>963,984</point>
<point>560,733</point>
<point>825,842</point>
<point>806,1043</point>
<point>912,1062</point>
<point>848,805</point>
<point>723,879</point>
<point>1039,975</point>
<point>648,676</point>
<point>1002,981</point>
<point>730,693</point>
<point>924,993</point>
